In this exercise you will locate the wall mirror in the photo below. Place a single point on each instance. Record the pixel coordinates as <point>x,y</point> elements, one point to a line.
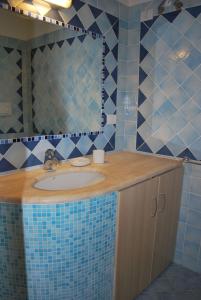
<point>50,78</point>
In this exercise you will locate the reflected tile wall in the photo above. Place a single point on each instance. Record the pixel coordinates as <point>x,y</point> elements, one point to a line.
<point>74,63</point>
<point>169,105</point>
<point>11,68</point>
<point>30,151</point>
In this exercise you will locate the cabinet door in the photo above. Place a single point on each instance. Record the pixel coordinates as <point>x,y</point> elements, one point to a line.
<point>136,229</point>
<point>167,218</point>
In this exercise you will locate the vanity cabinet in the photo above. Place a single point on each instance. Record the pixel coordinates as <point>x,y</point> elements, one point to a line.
<point>147,224</point>
<point>169,196</point>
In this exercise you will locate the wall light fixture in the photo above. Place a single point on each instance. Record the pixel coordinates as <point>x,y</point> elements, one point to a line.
<point>41,7</point>
<point>60,3</point>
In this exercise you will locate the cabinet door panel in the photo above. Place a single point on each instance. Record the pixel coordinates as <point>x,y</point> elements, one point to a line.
<point>137,220</point>
<point>167,218</point>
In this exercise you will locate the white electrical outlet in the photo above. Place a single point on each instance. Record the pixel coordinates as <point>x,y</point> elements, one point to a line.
<point>5,109</point>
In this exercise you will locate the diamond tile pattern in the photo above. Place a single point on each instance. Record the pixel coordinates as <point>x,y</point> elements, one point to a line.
<point>10,77</point>
<point>170,84</point>
<point>75,83</point>
<point>79,15</point>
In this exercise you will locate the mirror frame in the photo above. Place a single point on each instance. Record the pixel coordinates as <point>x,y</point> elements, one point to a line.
<point>73,28</point>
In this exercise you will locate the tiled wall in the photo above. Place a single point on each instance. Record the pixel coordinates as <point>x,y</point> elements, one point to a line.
<point>130,18</point>
<point>169,107</point>
<point>19,154</point>
<point>188,248</point>
<point>12,262</point>
<point>169,110</point>
<point>58,251</point>
<point>30,152</point>
<point>128,79</point>
<point>11,85</point>
<point>71,66</point>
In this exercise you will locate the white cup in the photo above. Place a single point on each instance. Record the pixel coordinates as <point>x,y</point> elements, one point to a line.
<point>98,156</point>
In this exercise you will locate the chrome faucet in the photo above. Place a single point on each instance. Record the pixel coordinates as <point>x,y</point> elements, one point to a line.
<point>50,160</point>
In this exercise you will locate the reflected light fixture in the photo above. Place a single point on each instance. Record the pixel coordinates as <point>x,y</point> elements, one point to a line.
<point>60,3</point>
<point>27,7</point>
<point>15,3</point>
<point>181,54</point>
<point>42,7</point>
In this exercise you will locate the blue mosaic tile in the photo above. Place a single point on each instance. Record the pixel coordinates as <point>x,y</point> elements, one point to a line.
<point>58,251</point>
<point>12,262</point>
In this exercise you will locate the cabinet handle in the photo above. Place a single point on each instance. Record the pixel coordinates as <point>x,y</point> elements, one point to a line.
<point>163,200</point>
<point>155,207</point>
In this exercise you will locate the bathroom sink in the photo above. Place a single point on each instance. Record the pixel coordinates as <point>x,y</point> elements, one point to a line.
<point>68,180</point>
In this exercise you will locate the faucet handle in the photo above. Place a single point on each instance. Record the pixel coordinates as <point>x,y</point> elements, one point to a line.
<point>49,154</point>
<point>51,160</point>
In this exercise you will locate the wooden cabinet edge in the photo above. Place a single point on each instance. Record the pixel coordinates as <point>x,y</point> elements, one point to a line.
<point>171,211</point>
<point>118,221</point>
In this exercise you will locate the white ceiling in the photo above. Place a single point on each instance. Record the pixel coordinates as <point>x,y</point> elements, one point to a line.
<point>133,2</point>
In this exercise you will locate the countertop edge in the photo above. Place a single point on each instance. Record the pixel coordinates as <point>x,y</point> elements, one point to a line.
<point>87,195</point>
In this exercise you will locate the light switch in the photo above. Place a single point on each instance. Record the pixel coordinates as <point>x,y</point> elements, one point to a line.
<point>5,109</point>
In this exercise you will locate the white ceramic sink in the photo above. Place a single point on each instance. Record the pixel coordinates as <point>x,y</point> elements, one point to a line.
<point>68,180</point>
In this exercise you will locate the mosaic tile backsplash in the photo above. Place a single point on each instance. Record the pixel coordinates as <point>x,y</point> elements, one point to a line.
<point>169,103</point>
<point>59,251</point>
<point>30,151</point>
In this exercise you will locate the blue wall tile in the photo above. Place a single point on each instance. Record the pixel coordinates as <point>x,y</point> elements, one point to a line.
<point>176,130</point>
<point>188,246</point>
<point>174,50</point>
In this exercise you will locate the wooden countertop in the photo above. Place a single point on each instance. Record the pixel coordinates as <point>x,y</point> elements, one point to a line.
<point>122,169</point>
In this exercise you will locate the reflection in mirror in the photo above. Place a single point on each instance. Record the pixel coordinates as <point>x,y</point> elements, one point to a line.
<point>50,78</point>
